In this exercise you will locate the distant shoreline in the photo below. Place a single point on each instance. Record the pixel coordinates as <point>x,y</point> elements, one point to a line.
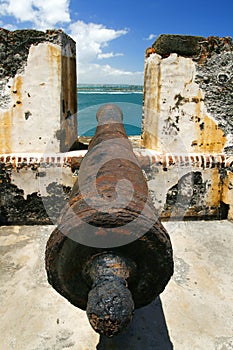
<point>92,84</point>
<point>109,88</point>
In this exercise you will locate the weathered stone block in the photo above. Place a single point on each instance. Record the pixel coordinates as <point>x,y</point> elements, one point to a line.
<point>184,45</point>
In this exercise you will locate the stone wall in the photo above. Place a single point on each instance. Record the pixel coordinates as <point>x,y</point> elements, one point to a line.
<point>38,115</point>
<point>37,91</point>
<point>188,111</point>
<point>34,189</point>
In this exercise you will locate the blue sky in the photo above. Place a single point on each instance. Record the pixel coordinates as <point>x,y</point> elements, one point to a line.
<point>112,36</point>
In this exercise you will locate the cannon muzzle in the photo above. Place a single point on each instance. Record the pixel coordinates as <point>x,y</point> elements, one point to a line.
<point>109,253</point>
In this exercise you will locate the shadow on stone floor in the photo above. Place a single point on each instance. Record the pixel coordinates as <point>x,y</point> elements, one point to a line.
<point>147,331</point>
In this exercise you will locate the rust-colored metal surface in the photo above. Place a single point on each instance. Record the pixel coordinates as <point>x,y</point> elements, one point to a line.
<point>109,253</point>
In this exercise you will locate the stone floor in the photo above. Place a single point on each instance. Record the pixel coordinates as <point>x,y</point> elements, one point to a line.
<point>195,310</point>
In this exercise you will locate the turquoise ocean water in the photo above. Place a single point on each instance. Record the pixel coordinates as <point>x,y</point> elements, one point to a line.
<point>128,97</point>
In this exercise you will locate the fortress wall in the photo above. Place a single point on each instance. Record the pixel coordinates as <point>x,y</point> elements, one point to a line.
<point>186,148</point>
<point>38,115</point>
<point>188,110</point>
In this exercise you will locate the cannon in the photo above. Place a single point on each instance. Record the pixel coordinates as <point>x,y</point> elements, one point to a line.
<point>109,253</point>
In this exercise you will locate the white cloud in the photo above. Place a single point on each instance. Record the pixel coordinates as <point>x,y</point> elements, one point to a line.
<point>91,38</point>
<point>151,37</point>
<point>43,14</point>
<point>106,74</point>
<point>108,55</point>
<point>21,10</point>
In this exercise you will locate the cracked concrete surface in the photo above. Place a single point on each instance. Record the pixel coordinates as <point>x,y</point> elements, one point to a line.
<point>196,308</point>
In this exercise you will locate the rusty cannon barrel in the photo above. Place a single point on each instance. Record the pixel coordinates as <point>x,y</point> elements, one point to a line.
<point>109,253</point>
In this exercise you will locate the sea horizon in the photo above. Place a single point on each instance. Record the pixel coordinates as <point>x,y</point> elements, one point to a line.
<point>108,84</point>
<point>128,97</point>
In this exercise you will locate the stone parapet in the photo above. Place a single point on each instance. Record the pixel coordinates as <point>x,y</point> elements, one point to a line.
<point>188,98</point>
<point>182,186</point>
